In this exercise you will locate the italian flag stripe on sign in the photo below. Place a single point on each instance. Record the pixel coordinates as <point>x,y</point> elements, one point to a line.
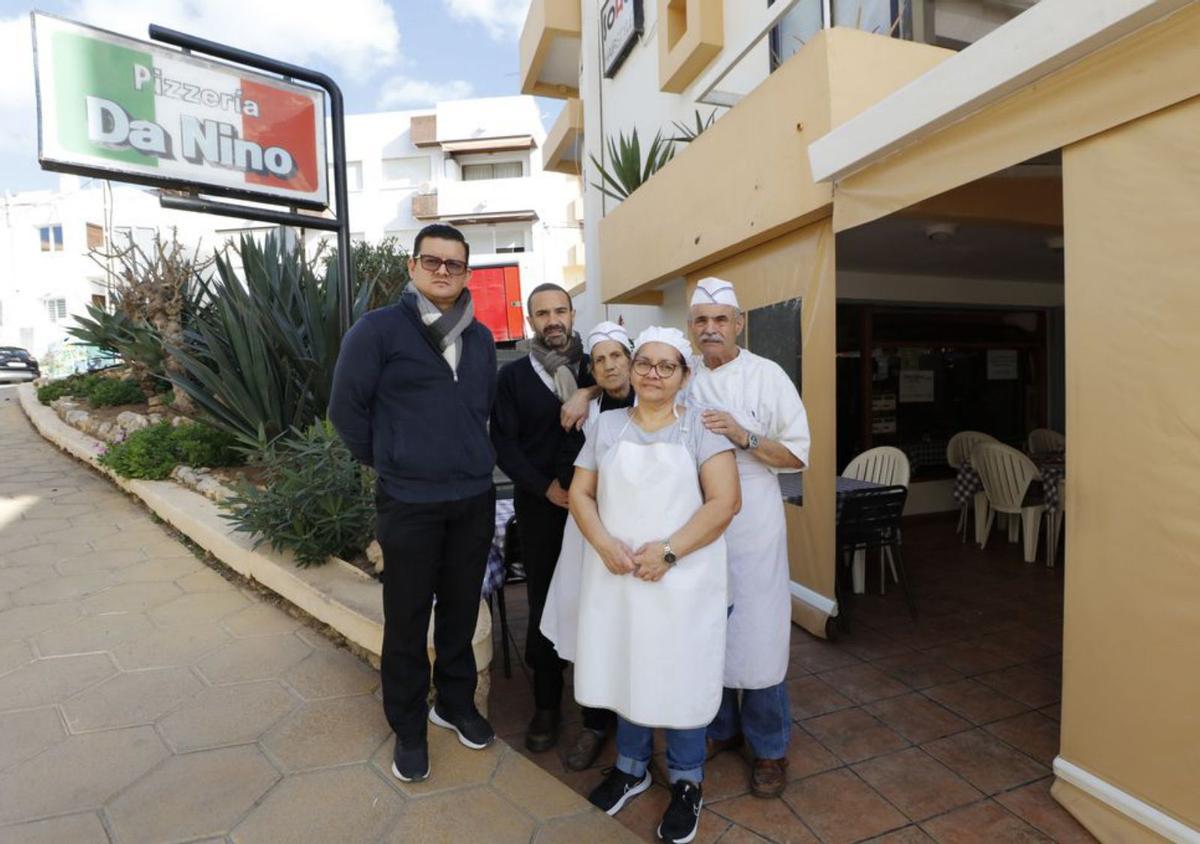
<point>287,116</point>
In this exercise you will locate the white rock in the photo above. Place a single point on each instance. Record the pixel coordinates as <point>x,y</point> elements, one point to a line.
<point>131,421</point>
<point>375,555</point>
<point>76,418</point>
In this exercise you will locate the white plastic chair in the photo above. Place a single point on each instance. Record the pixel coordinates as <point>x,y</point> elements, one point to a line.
<point>1046,441</point>
<point>887,466</point>
<point>958,451</point>
<point>1006,474</point>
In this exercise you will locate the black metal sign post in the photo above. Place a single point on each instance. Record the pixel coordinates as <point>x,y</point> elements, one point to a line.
<point>337,115</point>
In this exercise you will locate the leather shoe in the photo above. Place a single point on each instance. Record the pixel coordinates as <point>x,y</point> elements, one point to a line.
<point>768,777</point>
<point>587,748</point>
<point>714,746</point>
<point>542,733</point>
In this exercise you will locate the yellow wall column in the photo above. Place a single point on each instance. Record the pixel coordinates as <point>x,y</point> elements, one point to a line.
<point>1131,652</point>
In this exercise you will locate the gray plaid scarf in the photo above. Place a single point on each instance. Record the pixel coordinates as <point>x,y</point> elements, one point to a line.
<point>562,365</point>
<point>447,329</point>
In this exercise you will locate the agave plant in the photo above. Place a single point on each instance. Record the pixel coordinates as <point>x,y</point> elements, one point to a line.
<point>687,133</point>
<point>628,172</point>
<point>260,360</point>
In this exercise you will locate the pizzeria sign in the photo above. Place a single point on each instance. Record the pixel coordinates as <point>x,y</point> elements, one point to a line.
<point>115,107</point>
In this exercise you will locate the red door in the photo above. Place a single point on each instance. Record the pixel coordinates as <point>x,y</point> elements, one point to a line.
<point>496,292</point>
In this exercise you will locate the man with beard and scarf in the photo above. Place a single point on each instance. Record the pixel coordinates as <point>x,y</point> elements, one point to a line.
<point>528,440</point>
<point>412,391</point>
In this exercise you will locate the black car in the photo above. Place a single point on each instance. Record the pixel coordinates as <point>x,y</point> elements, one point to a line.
<point>16,364</point>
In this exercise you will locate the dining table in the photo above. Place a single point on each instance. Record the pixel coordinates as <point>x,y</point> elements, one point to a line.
<point>792,487</point>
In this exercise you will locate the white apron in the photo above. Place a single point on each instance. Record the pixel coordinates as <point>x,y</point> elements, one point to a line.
<point>760,627</point>
<point>652,652</point>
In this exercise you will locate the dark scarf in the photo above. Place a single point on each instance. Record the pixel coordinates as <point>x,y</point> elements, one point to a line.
<point>562,365</point>
<point>447,329</point>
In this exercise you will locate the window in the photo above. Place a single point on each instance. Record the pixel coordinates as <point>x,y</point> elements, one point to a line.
<point>509,240</point>
<point>56,309</point>
<point>353,176</point>
<point>405,171</point>
<point>51,238</point>
<point>496,170</point>
<point>95,236</point>
<point>493,240</point>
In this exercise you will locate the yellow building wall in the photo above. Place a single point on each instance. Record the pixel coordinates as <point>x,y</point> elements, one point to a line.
<point>1131,653</point>
<point>801,263</point>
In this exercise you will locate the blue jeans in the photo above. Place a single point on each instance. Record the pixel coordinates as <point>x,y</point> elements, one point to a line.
<point>685,751</point>
<point>762,716</point>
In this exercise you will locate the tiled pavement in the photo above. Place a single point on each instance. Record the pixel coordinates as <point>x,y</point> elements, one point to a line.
<point>144,698</point>
<point>943,729</point>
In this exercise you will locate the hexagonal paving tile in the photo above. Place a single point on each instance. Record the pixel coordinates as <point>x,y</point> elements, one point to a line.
<point>26,734</point>
<point>162,648</point>
<point>260,620</point>
<point>226,715</point>
<point>345,804</point>
<point>137,535</point>
<point>193,795</point>
<point>453,766</point>
<point>56,589</point>
<point>476,815</point>
<point>100,561</point>
<point>23,622</point>
<point>204,580</point>
<point>530,788</point>
<point>55,510</point>
<point>80,772</point>
<point>141,697</point>
<point>49,553</point>
<point>93,633</point>
<point>160,569</point>
<point>78,829</point>
<point>16,577</point>
<point>253,659</point>
<point>13,656</point>
<point>47,681</point>
<point>331,674</point>
<point>198,607</point>
<point>340,731</point>
<point>131,597</point>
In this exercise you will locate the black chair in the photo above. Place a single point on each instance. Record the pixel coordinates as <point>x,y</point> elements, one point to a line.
<point>870,519</point>
<point>514,572</point>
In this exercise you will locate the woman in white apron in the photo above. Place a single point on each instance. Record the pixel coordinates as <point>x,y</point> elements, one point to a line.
<point>610,352</point>
<point>652,494</point>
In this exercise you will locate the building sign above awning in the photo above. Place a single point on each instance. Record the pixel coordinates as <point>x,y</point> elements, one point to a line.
<point>115,107</point>
<point>620,26</point>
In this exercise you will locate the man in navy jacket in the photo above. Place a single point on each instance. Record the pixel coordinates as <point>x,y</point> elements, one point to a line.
<point>412,391</point>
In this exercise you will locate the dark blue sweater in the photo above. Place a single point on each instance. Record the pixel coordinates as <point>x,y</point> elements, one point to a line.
<point>400,408</point>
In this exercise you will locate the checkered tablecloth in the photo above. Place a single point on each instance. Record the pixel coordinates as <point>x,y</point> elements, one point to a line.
<point>968,483</point>
<point>493,576</point>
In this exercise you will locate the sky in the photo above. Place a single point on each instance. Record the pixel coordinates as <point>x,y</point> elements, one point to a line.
<point>385,54</point>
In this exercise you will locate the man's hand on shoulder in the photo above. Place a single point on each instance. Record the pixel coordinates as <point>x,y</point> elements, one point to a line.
<point>575,409</point>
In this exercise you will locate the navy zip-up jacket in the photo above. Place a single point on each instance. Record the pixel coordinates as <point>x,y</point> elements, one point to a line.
<point>401,409</point>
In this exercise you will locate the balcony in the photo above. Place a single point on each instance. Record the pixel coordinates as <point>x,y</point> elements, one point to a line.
<point>550,44</point>
<point>483,201</point>
<point>564,144</point>
<point>423,130</point>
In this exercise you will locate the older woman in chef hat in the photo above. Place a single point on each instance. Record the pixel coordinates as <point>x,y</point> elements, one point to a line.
<point>610,352</point>
<point>653,492</point>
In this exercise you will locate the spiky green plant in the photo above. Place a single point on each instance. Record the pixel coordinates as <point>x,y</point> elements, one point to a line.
<point>628,171</point>
<point>687,133</point>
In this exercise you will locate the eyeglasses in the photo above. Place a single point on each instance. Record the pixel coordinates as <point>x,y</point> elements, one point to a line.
<point>664,368</point>
<point>432,263</point>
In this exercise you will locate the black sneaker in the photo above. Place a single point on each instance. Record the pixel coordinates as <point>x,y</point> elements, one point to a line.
<point>618,789</point>
<point>682,818</point>
<point>411,763</point>
<point>473,730</point>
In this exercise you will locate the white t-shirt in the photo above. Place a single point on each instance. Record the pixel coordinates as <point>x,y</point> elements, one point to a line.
<point>605,430</point>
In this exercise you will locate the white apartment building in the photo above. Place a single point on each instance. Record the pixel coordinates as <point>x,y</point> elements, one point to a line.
<point>47,269</point>
<point>475,164</point>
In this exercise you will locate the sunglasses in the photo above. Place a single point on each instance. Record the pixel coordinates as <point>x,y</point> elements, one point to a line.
<point>432,263</point>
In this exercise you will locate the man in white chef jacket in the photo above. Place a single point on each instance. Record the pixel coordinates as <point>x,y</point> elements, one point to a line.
<point>751,401</point>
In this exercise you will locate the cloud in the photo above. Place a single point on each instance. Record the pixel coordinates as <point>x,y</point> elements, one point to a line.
<point>501,18</point>
<point>406,91</point>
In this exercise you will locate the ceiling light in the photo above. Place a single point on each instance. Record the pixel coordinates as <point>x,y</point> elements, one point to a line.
<point>941,231</point>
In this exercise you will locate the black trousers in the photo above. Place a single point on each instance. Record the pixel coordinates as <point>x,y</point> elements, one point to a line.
<point>440,549</point>
<point>540,525</point>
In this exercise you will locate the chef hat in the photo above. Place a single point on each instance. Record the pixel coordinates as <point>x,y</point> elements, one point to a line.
<point>607,331</point>
<point>714,291</point>
<point>673,337</point>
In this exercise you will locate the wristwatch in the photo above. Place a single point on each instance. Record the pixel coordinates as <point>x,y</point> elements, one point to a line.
<point>668,555</point>
<point>751,442</point>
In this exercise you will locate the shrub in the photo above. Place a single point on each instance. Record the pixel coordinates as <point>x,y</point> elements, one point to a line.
<point>315,500</point>
<point>73,385</point>
<point>151,453</point>
<point>109,392</point>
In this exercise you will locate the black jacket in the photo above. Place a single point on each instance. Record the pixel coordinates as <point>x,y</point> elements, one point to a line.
<point>400,408</point>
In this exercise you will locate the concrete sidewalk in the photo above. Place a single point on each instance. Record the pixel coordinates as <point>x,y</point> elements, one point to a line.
<point>144,698</point>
